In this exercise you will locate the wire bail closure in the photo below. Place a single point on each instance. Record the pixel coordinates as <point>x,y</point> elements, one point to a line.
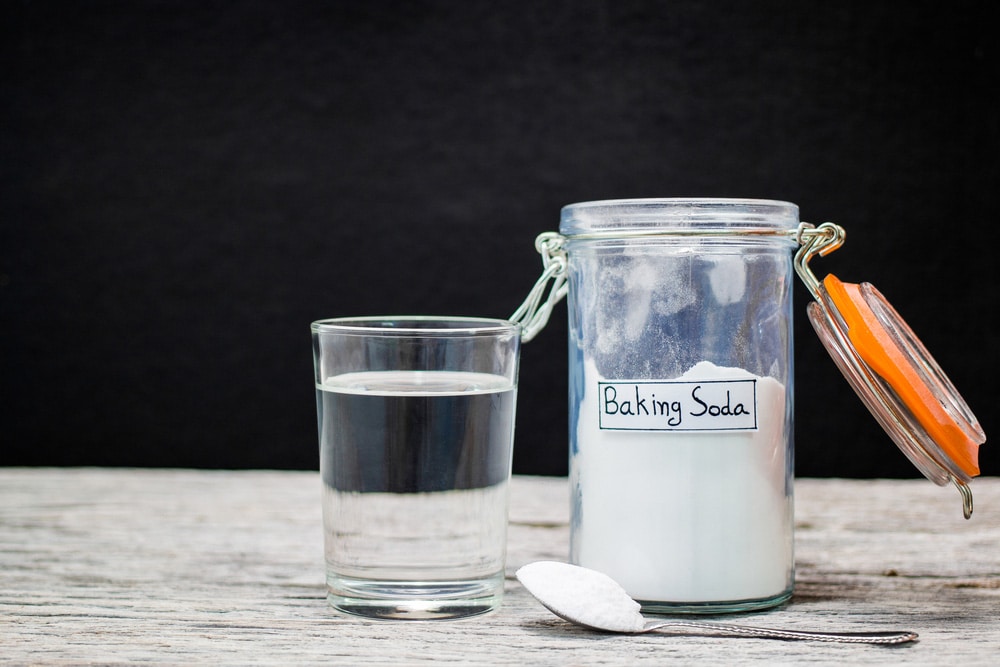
<point>534,313</point>
<point>821,240</point>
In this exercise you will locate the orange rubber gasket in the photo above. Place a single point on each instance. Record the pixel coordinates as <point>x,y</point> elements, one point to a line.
<point>884,356</point>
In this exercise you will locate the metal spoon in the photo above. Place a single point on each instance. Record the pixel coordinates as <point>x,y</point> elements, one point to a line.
<point>593,600</point>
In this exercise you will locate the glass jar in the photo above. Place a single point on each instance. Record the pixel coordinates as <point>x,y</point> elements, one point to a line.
<point>681,398</point>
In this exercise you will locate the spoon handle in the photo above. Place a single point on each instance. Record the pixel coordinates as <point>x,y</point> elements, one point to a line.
<point>900,637</point>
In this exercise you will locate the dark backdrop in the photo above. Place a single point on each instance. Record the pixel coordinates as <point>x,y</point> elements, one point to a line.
<point>187,185</point>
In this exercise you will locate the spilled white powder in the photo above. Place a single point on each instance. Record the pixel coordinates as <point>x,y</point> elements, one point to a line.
<point>685,516</point>
<point>584,595</point>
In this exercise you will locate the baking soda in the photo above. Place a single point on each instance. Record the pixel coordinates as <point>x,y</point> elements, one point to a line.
<point>583,595</point>
<point>684,512</point>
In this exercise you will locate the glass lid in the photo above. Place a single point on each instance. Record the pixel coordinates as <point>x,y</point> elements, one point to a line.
<point>892,372</point>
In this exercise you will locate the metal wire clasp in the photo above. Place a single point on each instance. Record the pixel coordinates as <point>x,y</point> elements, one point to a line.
<point>821,240</point>
<point>534,313</point>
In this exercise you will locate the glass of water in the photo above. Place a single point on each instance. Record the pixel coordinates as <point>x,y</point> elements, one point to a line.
<point>416,429</point>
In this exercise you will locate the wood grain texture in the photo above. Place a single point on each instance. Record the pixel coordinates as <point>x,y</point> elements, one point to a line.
<point>118,566</point>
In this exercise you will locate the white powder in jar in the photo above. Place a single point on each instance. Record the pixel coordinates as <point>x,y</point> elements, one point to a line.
<point>685,517</point>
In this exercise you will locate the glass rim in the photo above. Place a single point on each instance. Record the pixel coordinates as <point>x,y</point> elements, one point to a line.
<point>677,202</point>
<point>443,326</point>
<point>688,214</point>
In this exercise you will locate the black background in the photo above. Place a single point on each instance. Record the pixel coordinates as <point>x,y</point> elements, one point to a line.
<point>185,186</point>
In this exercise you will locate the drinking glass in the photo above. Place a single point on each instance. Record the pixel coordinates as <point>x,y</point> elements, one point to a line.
<point>416,426</point>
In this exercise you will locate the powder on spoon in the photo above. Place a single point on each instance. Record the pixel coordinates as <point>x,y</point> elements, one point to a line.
<point>586,596</point>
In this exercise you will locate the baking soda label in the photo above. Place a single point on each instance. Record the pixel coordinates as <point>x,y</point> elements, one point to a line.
<point>678,405</point>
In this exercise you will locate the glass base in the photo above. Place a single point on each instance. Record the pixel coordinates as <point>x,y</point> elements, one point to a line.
<point>415,600</point>
<point>720,607</point>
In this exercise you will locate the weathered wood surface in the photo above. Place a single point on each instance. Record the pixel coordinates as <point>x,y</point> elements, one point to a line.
<point>102,566</point>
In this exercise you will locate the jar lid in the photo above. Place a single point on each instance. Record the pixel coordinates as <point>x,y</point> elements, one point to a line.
<point>897,378</point>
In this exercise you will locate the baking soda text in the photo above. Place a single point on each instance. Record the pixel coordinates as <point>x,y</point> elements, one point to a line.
<point>712,405</point>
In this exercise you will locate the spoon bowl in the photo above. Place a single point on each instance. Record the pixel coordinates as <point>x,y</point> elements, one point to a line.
<point>593,600</point>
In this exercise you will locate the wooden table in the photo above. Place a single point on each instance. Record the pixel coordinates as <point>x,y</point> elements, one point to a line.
<point>114,566</point>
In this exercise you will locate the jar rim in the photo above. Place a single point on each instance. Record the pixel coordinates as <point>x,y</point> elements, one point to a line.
<point>688,214</point>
